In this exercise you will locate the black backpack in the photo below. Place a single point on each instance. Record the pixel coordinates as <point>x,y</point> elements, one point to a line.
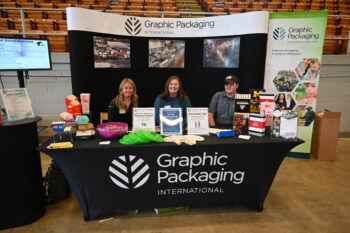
<point>56,185</point>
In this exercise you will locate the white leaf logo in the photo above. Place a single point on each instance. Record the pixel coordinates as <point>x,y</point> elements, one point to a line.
<point>129,172</point>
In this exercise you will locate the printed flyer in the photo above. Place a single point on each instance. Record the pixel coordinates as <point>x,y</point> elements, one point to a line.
<point>293,65</point>
<point>197,121</point>
<point>17,103</point>
<point>170,121</point>
<point>143,119</point>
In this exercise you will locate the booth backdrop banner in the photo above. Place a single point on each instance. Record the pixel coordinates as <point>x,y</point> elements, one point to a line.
<point>292,72</point>
<point>135,39</point>
<point>87,20</point>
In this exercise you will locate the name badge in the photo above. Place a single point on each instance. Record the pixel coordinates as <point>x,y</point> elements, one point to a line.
<point>167,106</point>
<point>122,111</point>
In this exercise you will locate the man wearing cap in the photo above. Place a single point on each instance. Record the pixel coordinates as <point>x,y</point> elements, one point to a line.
<point>222,105</point>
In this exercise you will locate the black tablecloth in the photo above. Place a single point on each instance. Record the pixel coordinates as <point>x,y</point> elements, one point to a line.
<point>22,192</point>
<point>216,172</point>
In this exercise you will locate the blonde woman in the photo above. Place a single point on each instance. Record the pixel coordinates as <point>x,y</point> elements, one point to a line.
<point>120,108</point>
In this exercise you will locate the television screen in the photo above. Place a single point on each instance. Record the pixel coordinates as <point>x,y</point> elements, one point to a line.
<point>24,54</point>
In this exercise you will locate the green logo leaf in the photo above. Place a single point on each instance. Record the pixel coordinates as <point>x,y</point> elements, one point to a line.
<point>279,33</point>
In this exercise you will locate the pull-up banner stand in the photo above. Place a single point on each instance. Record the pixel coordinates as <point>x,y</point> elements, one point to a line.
<point>105,48</point>
<point>293,64</point>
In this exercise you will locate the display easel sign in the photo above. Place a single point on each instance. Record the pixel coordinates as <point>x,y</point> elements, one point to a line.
<point>170,121</point>
<point>17,103</point>
<point>197,121</point>
<point>143,119</point>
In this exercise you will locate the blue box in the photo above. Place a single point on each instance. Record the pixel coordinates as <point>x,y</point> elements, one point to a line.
<point>58,126</point>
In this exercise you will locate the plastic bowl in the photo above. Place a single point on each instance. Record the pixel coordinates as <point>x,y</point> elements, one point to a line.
<point>112,129</point>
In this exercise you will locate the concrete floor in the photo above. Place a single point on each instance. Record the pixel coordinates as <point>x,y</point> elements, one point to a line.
<point>307,196</point>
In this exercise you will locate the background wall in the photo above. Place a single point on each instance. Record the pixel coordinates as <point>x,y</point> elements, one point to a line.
<point>48,89</point>
<point>200,83</point>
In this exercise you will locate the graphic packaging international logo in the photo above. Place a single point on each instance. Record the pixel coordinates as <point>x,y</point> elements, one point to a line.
<point>133,26</point>
<point>279,33</point>
<point>129,172</point>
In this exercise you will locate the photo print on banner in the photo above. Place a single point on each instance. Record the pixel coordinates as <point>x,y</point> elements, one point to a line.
<point>306,115</point>
<point>166,53</point>
<point>111,52</point>
<point>308,69</point>
<point>221,53</point>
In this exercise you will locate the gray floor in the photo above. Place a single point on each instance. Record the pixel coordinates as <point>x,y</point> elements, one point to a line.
<point>307,196</point>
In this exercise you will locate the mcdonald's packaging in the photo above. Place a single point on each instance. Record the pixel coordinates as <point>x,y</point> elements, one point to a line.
<point>257,124</point>
<point>267,106</point>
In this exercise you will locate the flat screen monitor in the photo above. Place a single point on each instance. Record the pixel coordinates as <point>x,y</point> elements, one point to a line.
<point>24,54</point>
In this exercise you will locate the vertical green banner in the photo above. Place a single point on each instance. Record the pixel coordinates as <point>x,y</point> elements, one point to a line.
<point>293,65</point>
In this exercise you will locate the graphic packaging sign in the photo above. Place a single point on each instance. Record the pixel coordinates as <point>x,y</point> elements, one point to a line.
<point>293,64</point>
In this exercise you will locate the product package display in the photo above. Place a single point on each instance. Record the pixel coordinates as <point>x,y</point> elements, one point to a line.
<point>276,124</point>
<point>289,124</point>
<point>58,126</point>
<point>67,117</point>
<point>267,106</point>
<point>257,124</point>
<point>73,105</point>
<point>85,102</point>
<point>242,105</point>
<point>238,123</point>
<point>255,100</point>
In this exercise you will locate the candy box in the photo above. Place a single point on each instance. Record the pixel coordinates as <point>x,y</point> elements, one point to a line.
<point>58,126</point>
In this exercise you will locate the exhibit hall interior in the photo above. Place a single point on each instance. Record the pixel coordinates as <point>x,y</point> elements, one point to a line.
<point>175,116</point>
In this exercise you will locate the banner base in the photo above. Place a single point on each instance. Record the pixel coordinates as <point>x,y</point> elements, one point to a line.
<point>299,155</point>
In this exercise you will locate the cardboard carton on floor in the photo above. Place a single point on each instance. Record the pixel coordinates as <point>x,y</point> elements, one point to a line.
<point>324,135</point>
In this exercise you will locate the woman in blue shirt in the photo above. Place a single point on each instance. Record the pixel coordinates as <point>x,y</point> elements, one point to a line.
<point>173,96</point>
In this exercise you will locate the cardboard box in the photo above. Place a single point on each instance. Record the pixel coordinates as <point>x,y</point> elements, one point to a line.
<point>324,135</point>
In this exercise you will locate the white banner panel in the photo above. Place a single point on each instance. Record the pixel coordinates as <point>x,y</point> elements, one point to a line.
<point>94,21</point>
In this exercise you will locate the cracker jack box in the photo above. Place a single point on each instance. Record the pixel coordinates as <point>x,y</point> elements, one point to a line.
<point>256,124</point>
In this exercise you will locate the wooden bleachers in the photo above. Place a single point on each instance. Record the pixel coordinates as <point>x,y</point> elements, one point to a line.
<point>55,21</point>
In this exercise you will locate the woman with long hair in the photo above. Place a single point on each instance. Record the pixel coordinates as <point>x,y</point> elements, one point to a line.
<point>173,96</point>
<point>120,108</point>
<point>281,102</point>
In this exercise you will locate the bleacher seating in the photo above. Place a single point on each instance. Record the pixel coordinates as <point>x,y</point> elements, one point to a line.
<point>55,21</point>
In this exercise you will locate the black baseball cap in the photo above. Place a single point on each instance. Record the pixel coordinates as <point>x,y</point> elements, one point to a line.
<point>231,79</point>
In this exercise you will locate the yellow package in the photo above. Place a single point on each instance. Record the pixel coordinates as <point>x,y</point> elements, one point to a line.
<point>60,145</point>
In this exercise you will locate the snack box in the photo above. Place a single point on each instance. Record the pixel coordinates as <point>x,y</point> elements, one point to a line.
<point>58,126</point>
<point>86,127</point>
